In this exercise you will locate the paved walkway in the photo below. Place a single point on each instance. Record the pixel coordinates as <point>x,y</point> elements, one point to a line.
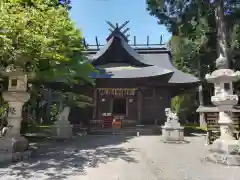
<point>121,158</point>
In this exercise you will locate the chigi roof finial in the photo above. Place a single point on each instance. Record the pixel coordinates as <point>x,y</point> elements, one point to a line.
<point>118,30</point>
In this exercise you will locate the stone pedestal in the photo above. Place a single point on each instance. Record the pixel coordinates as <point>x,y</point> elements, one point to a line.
<point>225,149</point>
<point>173,134</point>
<point>62,129</point>
<point>172,131</point>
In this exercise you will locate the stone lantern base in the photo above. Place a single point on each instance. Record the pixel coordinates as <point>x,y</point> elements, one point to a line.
<point>225,151</point>
<point>14,149</point>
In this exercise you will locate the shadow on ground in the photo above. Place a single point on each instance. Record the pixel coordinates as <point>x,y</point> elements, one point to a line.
<point>62,159</point>
<point>193,131</point>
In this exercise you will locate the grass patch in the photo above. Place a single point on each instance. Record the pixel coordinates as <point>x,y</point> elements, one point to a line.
<point>37,129</point>
<point>195,126</point>
<point>39,133</point>
<point>44,126</point>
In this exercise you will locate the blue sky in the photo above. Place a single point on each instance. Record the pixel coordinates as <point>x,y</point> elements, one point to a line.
<point>91,16</point>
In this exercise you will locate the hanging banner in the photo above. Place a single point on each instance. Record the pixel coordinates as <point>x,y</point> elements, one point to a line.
<point>117,91</point>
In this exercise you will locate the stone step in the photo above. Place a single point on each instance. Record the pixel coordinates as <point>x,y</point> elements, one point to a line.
<point>132,132</point>
<point>112,133</point>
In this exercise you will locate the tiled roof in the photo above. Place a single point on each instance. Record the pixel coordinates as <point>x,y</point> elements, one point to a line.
<point>155,61</point>
<point>141,72</point>
<point>163,60</point>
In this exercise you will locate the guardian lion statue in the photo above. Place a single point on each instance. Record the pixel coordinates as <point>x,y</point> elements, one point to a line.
<point>63,116</point>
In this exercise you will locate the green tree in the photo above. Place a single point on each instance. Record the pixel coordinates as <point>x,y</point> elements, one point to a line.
<point>193,26</point>
<point>41,38</point>
<point>54,3</point>
<point>194,34</point>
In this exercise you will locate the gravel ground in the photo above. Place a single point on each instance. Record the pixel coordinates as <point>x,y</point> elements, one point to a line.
<point>121,158</point>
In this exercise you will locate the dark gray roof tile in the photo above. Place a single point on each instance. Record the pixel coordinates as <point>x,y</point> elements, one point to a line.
<point>163,60</point>
<point>139,72</point>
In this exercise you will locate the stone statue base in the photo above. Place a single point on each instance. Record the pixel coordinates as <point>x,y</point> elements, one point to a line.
<point>171,134</point>
<point>172,130</point>
<point>225,151</point>
<point>62,130</point>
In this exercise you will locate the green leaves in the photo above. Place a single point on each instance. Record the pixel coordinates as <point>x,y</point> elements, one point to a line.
<point>194,23</point>
<point>184,104</point>
<point>76,100</point>
<point>41,35</point>
<point>194,40</point>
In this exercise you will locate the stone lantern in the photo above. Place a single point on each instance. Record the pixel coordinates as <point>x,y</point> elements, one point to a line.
<point>225,149</point>
<point>16,96</point>
<point>226,145</point>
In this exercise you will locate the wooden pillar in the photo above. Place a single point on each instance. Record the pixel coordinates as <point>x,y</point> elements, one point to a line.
<point>139,106</point>
<point>95,104</point>
<point>157,106</point>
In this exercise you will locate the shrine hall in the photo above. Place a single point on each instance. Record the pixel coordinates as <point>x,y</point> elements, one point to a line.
<point>134,85</point>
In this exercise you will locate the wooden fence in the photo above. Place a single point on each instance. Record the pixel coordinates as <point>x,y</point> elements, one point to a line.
<point>211,119</point>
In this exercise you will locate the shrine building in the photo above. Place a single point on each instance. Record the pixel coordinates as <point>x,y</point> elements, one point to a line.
<point>134,84</point>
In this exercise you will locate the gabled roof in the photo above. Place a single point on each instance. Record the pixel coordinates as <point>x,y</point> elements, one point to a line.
<point>153,61</point>
<point>120,42</point>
